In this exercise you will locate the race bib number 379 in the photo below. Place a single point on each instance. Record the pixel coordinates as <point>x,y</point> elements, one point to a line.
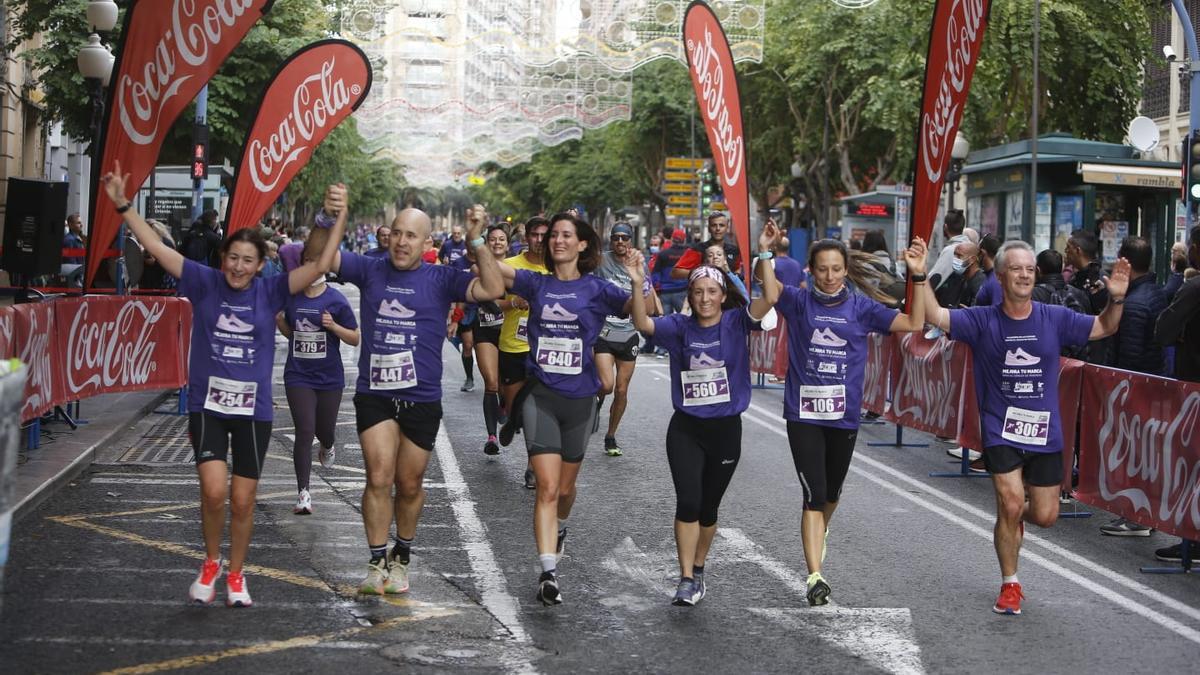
<point>308,344</point>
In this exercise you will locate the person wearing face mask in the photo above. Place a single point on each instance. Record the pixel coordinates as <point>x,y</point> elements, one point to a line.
<point>316,322</point>
<point>964,283</point>
<point>229,373</point>
<point>952,229</point>
<point>827,327</point>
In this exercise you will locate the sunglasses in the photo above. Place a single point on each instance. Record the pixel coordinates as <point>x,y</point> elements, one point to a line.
<point>620,237</point>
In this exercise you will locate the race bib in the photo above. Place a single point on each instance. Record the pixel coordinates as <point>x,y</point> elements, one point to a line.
<point>230,397</point>
<point>393,371</point>
<point>491,320</point>
<point>1031,427</point>
<point>705,386</point>
<point>308,344</point>
<point>822,402</point>
<point>560,355</point>
<point>523,329</point>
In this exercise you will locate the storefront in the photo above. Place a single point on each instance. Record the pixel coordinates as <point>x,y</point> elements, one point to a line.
<point>1103,187</point>
<point>885,209</point>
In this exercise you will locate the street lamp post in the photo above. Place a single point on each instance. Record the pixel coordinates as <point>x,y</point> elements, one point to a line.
<point>95,63</point>
<point>1193,67</point>
<point>958,157</point>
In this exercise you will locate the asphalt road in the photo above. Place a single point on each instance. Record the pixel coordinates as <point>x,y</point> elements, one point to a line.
<point>98,577</point>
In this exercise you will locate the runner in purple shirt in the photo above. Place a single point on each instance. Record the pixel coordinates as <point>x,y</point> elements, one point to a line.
<point>316,323</point>
<point>1015,349</point>
<point>557,404</point>
<point>827,327</point>
<point>398,394</point>
<point>710,389</point>
<point>229,373</point>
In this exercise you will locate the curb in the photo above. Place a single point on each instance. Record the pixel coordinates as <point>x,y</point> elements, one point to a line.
<point>85,459</point>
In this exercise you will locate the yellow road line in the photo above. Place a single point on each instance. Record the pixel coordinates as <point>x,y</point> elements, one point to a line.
<point>153,509</point>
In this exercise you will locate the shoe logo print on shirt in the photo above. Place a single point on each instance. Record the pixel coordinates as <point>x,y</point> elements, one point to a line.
<point>557,312</point>
<point>827,338</point>
<point>1019,357</point>
<point>230,323</point>
<point>303,324</point>
<point>393,309</point>
<point>704,361</point>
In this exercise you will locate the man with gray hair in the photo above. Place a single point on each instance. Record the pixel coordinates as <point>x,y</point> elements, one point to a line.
<point>1015,350</point>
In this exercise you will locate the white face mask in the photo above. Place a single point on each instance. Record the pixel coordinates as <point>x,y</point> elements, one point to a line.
<point>959,265</point>
<point>320,280</point>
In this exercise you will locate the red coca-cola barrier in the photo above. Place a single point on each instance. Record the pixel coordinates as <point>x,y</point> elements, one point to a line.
<point>1139,454</point>
<point>769,351</point>
<point>80,347</point>
<point>877,377</point>
<point>927,383</point>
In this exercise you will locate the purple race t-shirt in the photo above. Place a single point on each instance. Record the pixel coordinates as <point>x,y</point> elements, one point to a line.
<point>314,353</point>
<point>233,342</point>
<point>789,271</point>
<point>989,293</point>
<point>827,354</point>
<point>565,318</point>
<point>403,325</point>
<point>710,366</point>
<point>1016,370</point>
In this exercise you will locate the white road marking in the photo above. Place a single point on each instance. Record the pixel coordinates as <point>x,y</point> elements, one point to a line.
<point>493,590</point>
<point>628,560</point>
<point>1053,567</point>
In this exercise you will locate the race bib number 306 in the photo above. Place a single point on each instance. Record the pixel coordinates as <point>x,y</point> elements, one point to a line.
<point>230,397</point>
<point>393,371</point>
<point>308,344</point>
<point>1031,427</point>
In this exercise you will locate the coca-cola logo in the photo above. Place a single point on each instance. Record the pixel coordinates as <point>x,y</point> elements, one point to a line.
<point>762,349</point>
<point>728,146</point>
<point>35,353</point>
<point>6,328</point>
<point>315,104</point>
<point>963,39</point>
<point>927,389</point>
<point>1147,458</point>
<point>875,375</point>
<point>145,89</point>
<point>113,353</point>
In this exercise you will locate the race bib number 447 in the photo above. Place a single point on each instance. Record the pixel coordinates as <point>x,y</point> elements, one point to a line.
<point>393,371</point>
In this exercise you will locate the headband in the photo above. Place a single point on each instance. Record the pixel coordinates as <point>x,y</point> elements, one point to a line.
<point>707,271</point>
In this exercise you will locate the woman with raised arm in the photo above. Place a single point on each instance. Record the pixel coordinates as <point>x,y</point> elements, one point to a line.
<point>229,373</point>
<point>710,389</point>
<point>827,327</point>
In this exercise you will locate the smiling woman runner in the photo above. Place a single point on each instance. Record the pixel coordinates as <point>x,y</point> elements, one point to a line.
<point>566,311</point>
<point>710,389</point>
<point>827,327</point>
<point>229,373</point>
<point>316,323</point>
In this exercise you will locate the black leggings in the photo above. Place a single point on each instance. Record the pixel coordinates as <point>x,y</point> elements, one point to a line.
<point>703,454</point>
<point>822,458</point>
<point>315,413</point>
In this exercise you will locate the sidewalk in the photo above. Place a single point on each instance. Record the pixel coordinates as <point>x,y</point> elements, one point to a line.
<point>65,453</point>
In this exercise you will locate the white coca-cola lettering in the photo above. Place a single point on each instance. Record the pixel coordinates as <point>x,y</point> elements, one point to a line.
<point>708,70</point>
<point>962,47</point>
<point>6,327</point>
<point>875,374</point>
<point>194,31</point>
<point>35,353</point>
<point>928,386</point>
<point>113,353</point>
<point>1146,458</point>
<point>268,161</point>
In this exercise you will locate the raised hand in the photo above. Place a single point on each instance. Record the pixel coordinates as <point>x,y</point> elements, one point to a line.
<point>1118,281</point>
<point>114,184</point>
<point>335,198</point>
<point>914,256</point>
<point>769,237</point>
<point>476,220</point>
<point>635,264</point>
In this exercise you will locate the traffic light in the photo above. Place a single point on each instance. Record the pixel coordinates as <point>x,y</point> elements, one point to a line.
<point>710,187</point>
<point>200,154</point>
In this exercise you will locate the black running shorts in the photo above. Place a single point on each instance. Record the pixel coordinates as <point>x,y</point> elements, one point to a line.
<point>212,437</point>
<point>419,422</point>
<point>512,367</point>
<point>1040,469</point>
<point>626,350</point>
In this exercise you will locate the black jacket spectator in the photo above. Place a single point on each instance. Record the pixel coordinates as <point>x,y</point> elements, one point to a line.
<point>1133,346</point>
<point>1179,325</point>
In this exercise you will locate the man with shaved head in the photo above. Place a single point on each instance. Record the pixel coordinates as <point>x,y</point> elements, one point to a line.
<point>965,280</point>
<point>398,394</point>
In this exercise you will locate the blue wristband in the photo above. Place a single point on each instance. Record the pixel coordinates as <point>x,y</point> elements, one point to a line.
<point>476,243</point>
<point>765,255</point>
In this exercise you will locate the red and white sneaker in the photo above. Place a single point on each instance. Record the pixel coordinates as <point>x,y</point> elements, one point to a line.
<point>236,592</point>
<point>1010,599</point>
<point>204,588</point>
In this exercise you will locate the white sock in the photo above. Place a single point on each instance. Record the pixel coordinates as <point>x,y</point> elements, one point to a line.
<point>549,561</point>
<point>1011,580</point>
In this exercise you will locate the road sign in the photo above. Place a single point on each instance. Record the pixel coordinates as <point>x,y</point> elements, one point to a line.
<point>718,206</point>
<point>685,176</point>
<point>683,163</point>
<point>679,187</point>
<point>683,200</point>
<point>681,210</point>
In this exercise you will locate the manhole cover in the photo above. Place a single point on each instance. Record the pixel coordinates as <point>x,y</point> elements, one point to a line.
<point>165,443</point>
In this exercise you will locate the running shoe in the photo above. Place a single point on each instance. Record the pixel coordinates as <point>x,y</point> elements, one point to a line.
<point>561,545</point>
<point>1175,553</point>
<point>698,579</point>
<point>686,593</point>
<point>501,415</point>
<point>377,578</point>
<point>236,592</point>
<point>1124,528</point>
<point>530,480</point>
<point>507,431</point>
<point>468,384</point>
<point>818,590</point>
<point>491,447</point>
<point>204,588</point>
<point>303,505</point>
<point>326,457</point>
<point>957,453</point>
<point>397,580</point>
<point>610,447</point>
<point>548,593</point>
<point>1010,599</point>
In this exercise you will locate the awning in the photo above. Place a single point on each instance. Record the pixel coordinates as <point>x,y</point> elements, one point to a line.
<point>1132,176</point>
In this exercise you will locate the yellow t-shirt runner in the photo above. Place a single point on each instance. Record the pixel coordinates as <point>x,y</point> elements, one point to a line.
<point>513,338</point>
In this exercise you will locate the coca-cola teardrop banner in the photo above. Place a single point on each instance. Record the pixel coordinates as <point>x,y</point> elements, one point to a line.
<point>715,81</point>
<point>313,91</point>
<point>955,40</point>
<point>170,50</point>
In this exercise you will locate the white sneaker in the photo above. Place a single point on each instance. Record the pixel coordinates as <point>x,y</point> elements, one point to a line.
<point>397,580</point>
<point>957,453</point>
<point>326,456</point>
<point>204,588</point>
<point>303,505</point>
<point>237,593</point>
<point>377,578</point>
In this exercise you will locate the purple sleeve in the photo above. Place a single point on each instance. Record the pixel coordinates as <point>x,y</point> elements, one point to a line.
<point>526,285</point>
<point>667,329</point>
<point>876,317</point>
<point>966,325</point>
<point>353,268</point>
<point>196,281</point>
<point>789,301</point>
<point>343,313</point>
<point>743,321</point>
<point>612,298</point>
<point>278,292</point>
<point>1074,328</point>
<point>459,282</point>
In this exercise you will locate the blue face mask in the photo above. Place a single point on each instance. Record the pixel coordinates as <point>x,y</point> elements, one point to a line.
<point>653,250</point>
<point>831,299</point>
<point>959,265</point>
